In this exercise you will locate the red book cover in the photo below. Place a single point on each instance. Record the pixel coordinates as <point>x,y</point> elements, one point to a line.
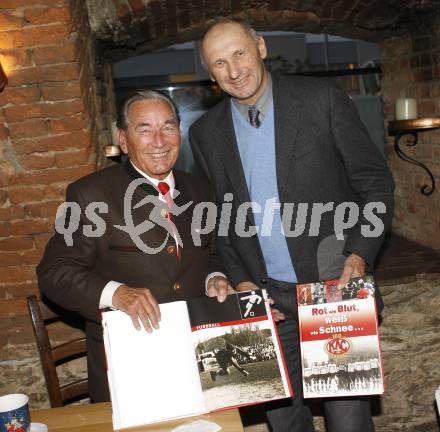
<point>340,347</point>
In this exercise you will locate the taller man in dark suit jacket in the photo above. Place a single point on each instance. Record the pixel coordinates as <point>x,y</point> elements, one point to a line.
<point>111,260</point>
<point>297,149</point>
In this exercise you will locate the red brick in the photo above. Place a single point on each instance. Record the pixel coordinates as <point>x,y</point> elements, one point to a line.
<point>16,244</point>
<point>122,10</point>
<point>16,58</point>
<point>39,16</point>
<point>54,54</point>
<point>27,227</point>
<point>415,61</point>
<point>11,213</point>
<point>61,91</point>
<point>20,95</point>
<point>423,75</point>
<point>9,259</point>
<point>42,239</point>
<point>21,194</point>
<point>32,257</point>
<point>3,197</point>
<point>426,108</point>
<point>43,74</point>
<point>10,307</point>
<point>11,4</point>
<point>5,229</point>
<point>73,140</point>
<point>17,274</point>
<point>23,289</point>
<point>21,334</point>
<point>28,129</point>
<point>55,192</point>
<point>425,60</point>
<point>137,6</point>
<point>4,133</point>
<point>11,39</point>
<point>43,209</point>
<point>404,63</point>
<point>421,44</point>
<point>24,112</point>
<point>54,175</point>
<point>69,159</point>
<point>36,162</point>
<point>45,35</point>
<point>62,109</point>
<point>9,21</point>
<point>73,123</point>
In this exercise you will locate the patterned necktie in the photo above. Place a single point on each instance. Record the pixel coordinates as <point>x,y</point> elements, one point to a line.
<point>253,116</point>
<point>164,189</point>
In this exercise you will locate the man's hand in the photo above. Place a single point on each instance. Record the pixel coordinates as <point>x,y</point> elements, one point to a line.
<point>219,287</point>
<point>139,303</point>
<point>246,286</point>
<point>277,315</point>
<point>354,266</point>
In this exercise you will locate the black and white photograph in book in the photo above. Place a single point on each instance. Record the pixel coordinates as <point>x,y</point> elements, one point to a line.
<point>238,364</point>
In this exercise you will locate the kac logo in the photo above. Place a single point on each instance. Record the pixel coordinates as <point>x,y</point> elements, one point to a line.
<point>338,346</point>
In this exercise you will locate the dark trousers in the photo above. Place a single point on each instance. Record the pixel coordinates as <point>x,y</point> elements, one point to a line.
<point>294,415</point>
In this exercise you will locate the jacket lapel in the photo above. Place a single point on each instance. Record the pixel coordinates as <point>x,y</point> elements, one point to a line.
<point>227,147</point>
<point>287,113</point>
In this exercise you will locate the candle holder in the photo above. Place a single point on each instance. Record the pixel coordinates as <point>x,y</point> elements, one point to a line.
<point>400,128</point>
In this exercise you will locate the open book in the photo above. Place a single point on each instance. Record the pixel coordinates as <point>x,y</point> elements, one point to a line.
<point>206,356</point>
<point>340,349</point>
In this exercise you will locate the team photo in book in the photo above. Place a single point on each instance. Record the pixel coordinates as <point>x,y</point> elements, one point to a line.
<point>238,364</point>
<point>358,371</point>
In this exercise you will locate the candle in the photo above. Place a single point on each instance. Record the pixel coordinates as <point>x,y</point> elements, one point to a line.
<point>406,109</point>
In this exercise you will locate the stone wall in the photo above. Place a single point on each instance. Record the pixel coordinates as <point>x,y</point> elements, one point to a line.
<point>411,352</point>
<point>411,68</point>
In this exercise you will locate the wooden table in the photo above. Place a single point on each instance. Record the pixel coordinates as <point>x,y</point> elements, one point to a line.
<point>98,418</point>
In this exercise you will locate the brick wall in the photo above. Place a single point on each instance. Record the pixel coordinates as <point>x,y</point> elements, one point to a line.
<point>411,67</point>
<point>51,133</point>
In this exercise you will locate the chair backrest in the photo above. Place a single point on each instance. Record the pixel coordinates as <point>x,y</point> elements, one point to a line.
<point>52,356</point>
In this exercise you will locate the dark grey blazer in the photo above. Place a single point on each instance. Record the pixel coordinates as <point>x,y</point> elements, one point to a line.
<point>74,277</point>
<point>323,154</point>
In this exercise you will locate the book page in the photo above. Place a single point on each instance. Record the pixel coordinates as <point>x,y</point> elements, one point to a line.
<point>153,376</point>
<point>237,349</point>
<point>340,349</point>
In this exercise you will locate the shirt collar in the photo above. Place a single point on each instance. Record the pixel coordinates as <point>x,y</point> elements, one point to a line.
<point>263,103</point>
<point>168,179</point>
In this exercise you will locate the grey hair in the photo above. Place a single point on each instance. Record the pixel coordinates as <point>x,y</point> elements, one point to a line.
<point>220,21</point>
<point>138,95</point>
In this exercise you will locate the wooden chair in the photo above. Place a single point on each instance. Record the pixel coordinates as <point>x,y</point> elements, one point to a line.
<point>51,357</point>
